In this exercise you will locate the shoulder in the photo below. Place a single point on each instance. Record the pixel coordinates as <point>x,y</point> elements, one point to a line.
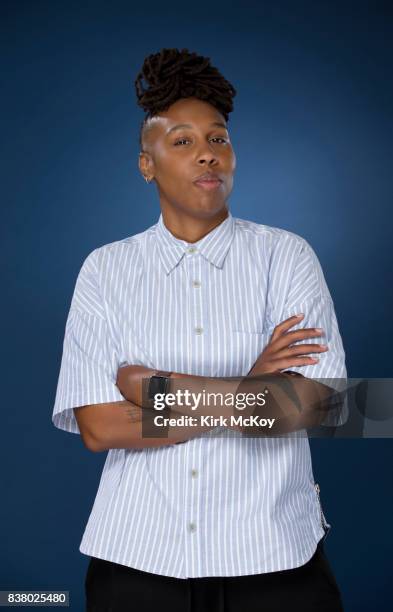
<point>276,239</point>
<point>117,253</point>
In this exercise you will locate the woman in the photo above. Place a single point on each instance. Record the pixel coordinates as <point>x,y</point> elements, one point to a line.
<point>187,519</point>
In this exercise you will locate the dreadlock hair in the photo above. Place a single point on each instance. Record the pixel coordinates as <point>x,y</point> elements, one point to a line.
<point>172,74</point>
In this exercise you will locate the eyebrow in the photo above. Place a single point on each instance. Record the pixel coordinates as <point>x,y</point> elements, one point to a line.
<point>188,125</point>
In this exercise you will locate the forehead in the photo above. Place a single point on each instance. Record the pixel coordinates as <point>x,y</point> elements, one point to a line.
<point>187,111</point>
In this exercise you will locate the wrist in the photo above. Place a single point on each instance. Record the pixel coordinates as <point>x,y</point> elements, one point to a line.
<point>158,383</point>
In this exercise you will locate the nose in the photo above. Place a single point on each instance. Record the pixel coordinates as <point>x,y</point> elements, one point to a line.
<point>207,155</point>
<point>209,159</point>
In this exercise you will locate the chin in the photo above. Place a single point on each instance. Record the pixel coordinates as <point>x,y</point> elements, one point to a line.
<point>210,207</point>
<point>208,211</point>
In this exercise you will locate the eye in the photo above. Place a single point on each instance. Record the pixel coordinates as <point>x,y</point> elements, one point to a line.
<point>184,139</point>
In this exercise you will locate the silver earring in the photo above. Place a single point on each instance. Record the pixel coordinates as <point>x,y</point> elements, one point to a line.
<point>147,179</point>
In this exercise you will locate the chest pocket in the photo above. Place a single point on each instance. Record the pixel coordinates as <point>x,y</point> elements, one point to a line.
<point>250,326</point>
<point>247,346</point>
<point>258,323</point>
<point>251,333</point>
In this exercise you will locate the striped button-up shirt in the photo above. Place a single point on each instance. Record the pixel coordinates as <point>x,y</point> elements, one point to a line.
<point>215,505</point>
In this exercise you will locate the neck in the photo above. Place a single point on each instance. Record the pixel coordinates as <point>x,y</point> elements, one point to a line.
<point>188,228</point>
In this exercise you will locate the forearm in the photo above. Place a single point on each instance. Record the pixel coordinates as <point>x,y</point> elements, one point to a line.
<point>188,395</point>
<point>126,425</point>
<point>294,402</point>
<point>291,402</point>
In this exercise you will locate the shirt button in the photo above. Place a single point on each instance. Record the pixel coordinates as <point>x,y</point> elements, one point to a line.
<point>192,527</point>
<point>199,330</point>
<point>196,283</point>
<point>194,473</point>
<point>191,250</point>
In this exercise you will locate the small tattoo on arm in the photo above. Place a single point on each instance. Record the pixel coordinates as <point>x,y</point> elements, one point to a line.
<point>134,413</point>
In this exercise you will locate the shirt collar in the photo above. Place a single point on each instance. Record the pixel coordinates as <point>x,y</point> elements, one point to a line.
<point>214,246</point>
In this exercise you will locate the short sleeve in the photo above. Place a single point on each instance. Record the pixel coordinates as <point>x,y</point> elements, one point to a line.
<point>89,362</point>
<point>308,293</point>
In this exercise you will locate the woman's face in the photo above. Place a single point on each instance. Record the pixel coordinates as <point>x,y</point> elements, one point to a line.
<point>175,157</point>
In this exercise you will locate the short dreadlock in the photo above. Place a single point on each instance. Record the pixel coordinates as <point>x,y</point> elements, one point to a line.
<point>172,74</point>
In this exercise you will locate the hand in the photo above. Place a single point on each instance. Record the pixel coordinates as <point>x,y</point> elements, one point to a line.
<point>280,355</point>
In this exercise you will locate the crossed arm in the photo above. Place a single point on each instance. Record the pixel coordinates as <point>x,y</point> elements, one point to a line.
<point>295,402</point>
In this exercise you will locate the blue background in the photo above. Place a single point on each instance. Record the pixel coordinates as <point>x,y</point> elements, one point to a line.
<point>312,130</point>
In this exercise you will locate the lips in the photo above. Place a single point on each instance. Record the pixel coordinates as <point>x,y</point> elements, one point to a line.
<point>208,184</point>
<point>208,181</point>
<point>208,176</point>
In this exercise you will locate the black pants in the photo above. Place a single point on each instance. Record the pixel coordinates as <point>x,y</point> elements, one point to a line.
<point>312,587</point>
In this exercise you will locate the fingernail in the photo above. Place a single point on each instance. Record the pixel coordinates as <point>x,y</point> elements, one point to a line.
<point>318,329</point>
<point>315,358</point>
<point>300,315</point>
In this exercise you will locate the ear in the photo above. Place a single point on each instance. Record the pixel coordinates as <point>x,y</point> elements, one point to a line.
<point>145,164</point>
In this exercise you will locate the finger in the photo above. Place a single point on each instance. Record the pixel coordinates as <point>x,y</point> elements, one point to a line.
<point>300,349</point>
<point>295,336</point>
<point>301,360</point>
<point>282,327</point>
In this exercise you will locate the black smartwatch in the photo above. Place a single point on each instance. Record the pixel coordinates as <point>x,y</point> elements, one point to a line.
<point>158,383</point>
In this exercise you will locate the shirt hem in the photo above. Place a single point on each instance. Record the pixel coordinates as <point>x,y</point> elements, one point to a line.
<point>305,557</point>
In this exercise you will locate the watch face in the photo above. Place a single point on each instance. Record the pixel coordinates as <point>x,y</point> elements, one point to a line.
<point>157,385</point>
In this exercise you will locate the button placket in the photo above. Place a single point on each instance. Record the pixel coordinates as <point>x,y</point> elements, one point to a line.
<point>196,304</point>
<point>192,492</point>
<point>198,323</point>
